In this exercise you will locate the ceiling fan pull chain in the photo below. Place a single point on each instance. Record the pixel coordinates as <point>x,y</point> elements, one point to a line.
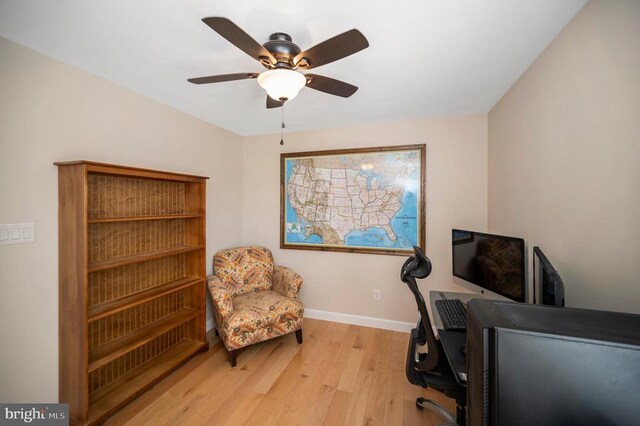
<point>282,125</point>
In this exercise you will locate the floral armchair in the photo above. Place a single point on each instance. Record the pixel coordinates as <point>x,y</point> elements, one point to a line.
<point>253,300</point>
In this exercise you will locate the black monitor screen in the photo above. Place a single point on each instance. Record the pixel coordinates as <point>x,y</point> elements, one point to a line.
<point>493,262</point>
<point>547,284</point>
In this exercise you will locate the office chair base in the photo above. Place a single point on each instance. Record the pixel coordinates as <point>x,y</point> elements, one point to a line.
<point>438,409</point>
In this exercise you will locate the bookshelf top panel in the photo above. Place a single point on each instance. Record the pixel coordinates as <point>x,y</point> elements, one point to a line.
<point>113,169</point>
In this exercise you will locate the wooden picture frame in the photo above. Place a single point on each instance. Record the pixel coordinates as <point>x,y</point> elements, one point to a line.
<point>363,200</point>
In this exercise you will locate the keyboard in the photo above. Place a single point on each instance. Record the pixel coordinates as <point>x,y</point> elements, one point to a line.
<point>452,313</point>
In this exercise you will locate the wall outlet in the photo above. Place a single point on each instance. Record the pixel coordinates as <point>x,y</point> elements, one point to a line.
<point>376,294</point>
<point>17,233</point>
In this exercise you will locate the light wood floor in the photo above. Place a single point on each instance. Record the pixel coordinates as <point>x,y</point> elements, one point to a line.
<point>341,374</point>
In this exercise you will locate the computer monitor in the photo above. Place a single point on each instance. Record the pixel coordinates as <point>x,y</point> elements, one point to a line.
<point>548,288</point>
<point>531,365</point>
<point>492,262</point>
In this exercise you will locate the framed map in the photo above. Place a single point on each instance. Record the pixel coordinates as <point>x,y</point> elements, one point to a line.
<point>365,200</point>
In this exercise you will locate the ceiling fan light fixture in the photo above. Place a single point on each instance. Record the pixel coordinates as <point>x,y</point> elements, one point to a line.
<point>282,83</point>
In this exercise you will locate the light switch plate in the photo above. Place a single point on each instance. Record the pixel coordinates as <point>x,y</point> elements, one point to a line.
<point>17,233</point>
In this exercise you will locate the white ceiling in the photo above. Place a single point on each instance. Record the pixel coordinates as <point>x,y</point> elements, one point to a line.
<point>426,57</point>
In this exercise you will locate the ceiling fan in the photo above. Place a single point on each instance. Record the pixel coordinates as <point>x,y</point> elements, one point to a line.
<point>283,60</point>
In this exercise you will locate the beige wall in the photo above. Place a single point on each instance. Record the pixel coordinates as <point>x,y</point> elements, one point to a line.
<point>343,282</point>
<point>564,156</point>
<point>51,111</point>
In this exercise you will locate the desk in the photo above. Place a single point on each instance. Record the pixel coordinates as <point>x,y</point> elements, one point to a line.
<point>453,341</point>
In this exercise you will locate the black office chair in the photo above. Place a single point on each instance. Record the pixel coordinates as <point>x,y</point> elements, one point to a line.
<point>431,369</point>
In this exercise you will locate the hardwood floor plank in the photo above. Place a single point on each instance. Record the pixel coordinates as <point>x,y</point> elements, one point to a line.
<point>324,393</point>
<point>232,378</point>
<point>411,415</point>
<point>350,373</point>
<point>205,372</point>
<point>338,409</point>
<point>341,374</point>
<point>235,405</point>
<point>320,404</point>
<point>300,401</point>
<point>164,407</point>
<point>142,403</point>
<point>290,376</point>
<point>194,411</point>
<point>279,385</point>
<point>276,367</point>
<point>264,412</point>
<point>358,406</point>
<point>335,372</point>
<point>236,413</point>
<point>195,402</point>
<point>394,406</point>
<point>374,413</point>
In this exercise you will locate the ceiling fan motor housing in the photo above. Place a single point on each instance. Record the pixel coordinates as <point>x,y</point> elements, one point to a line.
<point>281,46</point>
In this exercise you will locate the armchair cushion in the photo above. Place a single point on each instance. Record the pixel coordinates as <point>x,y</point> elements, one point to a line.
<point>259,316</point>
<point>286,282</point>
<point>244,269</point>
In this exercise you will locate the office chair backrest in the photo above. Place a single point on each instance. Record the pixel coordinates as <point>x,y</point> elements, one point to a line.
<point>419,266</point>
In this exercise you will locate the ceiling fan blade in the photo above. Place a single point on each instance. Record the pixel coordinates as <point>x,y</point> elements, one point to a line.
<point>272,103</point>
<point>330,85</point>
<point>335,48</point>
<point>236,36</point>
<point>223,77</point>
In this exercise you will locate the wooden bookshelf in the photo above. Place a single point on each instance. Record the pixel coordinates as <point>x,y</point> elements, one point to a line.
<point>131,282</point>
<point>113,306</point>
<point>106,353</point>
<point>117,393</point>
<point>133,218</point>
<point>137,258</point>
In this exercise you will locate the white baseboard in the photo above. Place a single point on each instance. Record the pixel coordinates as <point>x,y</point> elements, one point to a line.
<point>384,324</point>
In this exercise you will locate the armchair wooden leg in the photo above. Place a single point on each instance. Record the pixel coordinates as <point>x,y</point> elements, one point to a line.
<point>216,330</point>
<point>233,357</point>
<point>299,336</point>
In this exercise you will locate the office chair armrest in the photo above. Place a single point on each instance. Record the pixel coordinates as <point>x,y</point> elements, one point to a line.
<point>221,297</point>
<point>286,282</point>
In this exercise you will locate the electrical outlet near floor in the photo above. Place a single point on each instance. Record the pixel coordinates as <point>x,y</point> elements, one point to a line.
<point>376,294</point>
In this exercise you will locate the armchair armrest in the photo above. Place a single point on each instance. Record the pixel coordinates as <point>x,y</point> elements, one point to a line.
<point>221,297</point>
<point>286,282</point>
